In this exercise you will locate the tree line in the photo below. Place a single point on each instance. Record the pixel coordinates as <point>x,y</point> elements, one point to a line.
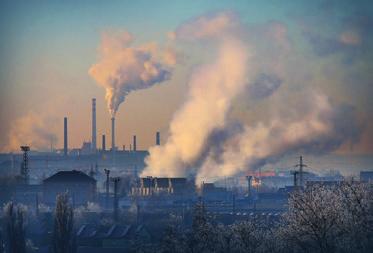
<point>335,219</point>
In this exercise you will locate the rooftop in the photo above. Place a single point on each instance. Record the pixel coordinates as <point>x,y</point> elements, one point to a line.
<point>69,176</point>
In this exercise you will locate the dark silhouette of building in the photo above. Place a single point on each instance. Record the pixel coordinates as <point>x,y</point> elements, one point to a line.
<point>80,187</point>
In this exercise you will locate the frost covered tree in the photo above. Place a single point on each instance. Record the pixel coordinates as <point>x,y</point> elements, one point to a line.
<point>329,219</point>
<point>63,237</point>
<point>356,222</point>
<point>173,241</point>
<point>14,229</point>
<point>247,236</point>
<point>312,219</point>
<point>319,219</point>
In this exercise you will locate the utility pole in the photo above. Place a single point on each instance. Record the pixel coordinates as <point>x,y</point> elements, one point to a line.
<point>116,181</point>
<point>107,172</point>
<point>301,165</point>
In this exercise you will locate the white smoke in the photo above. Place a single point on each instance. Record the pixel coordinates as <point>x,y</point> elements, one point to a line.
<point>202,140</point>
<point>123,68</point>
<point>212,87</point>
<point>317,128</point>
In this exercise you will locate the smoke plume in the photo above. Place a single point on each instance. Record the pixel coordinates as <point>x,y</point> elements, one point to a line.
<point>123,69</point>
<point>204,141</point>
<point>212,87</point>
<point>317,128</point>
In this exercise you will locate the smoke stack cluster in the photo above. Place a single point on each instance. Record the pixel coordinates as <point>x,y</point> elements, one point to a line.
<point>65,145</point>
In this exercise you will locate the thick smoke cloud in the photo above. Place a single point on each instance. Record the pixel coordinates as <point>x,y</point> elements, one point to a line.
<point>212,87</point>
<point>316,128</point>
<point>204,142</point>
<point>123,69</point>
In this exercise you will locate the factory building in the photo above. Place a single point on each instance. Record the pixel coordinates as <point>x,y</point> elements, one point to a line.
<point>80,187</point>
<point>160,185</point>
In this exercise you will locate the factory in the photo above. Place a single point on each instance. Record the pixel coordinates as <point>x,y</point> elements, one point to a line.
<point>128,158</point>
<point>90,147</point>
<point>150,186</point>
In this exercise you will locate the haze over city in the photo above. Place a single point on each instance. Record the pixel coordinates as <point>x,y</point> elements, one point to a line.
<point>191,107</point>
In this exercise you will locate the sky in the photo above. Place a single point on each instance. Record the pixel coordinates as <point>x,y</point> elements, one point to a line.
<point>48,48</point>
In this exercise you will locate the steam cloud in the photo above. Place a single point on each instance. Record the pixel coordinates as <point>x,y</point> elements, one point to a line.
<point>205,143</point>
<point>212,87</point>
<point>316,129</point>
<point>123,69</point>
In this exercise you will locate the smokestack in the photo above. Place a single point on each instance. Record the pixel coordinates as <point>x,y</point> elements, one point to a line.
<point>134,143</point>
<point>94,146</point>
<point>113,134</point>
<point>158,139</point>
<point>103,143</point>
<point>65,145</point>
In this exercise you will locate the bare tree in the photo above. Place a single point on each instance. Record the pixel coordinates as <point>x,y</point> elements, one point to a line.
<point>329,219</point>
<point>320,219</point>
<point>14,228</point>
<point>312,219</point>
<point>357,219</point>
<point>63,237</point>
<point>173,241</point>
<point>248,236</point>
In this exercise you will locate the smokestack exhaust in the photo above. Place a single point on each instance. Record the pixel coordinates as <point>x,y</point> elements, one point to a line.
<point>94,143</point>
<point>158,139</point>
<point>134,143</point>
<point>113,134</point>
<point>65,144</point>
<point>103,143</point>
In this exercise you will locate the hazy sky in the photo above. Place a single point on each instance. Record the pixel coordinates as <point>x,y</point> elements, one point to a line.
<point>48,47</point>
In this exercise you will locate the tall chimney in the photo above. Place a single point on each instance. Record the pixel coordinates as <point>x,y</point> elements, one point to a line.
<point>94,146</point>
<point>157,139</point>
<point>113,134</point>
<point>134,143</point>
<point>103,143</point>
<point>65,145</point>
